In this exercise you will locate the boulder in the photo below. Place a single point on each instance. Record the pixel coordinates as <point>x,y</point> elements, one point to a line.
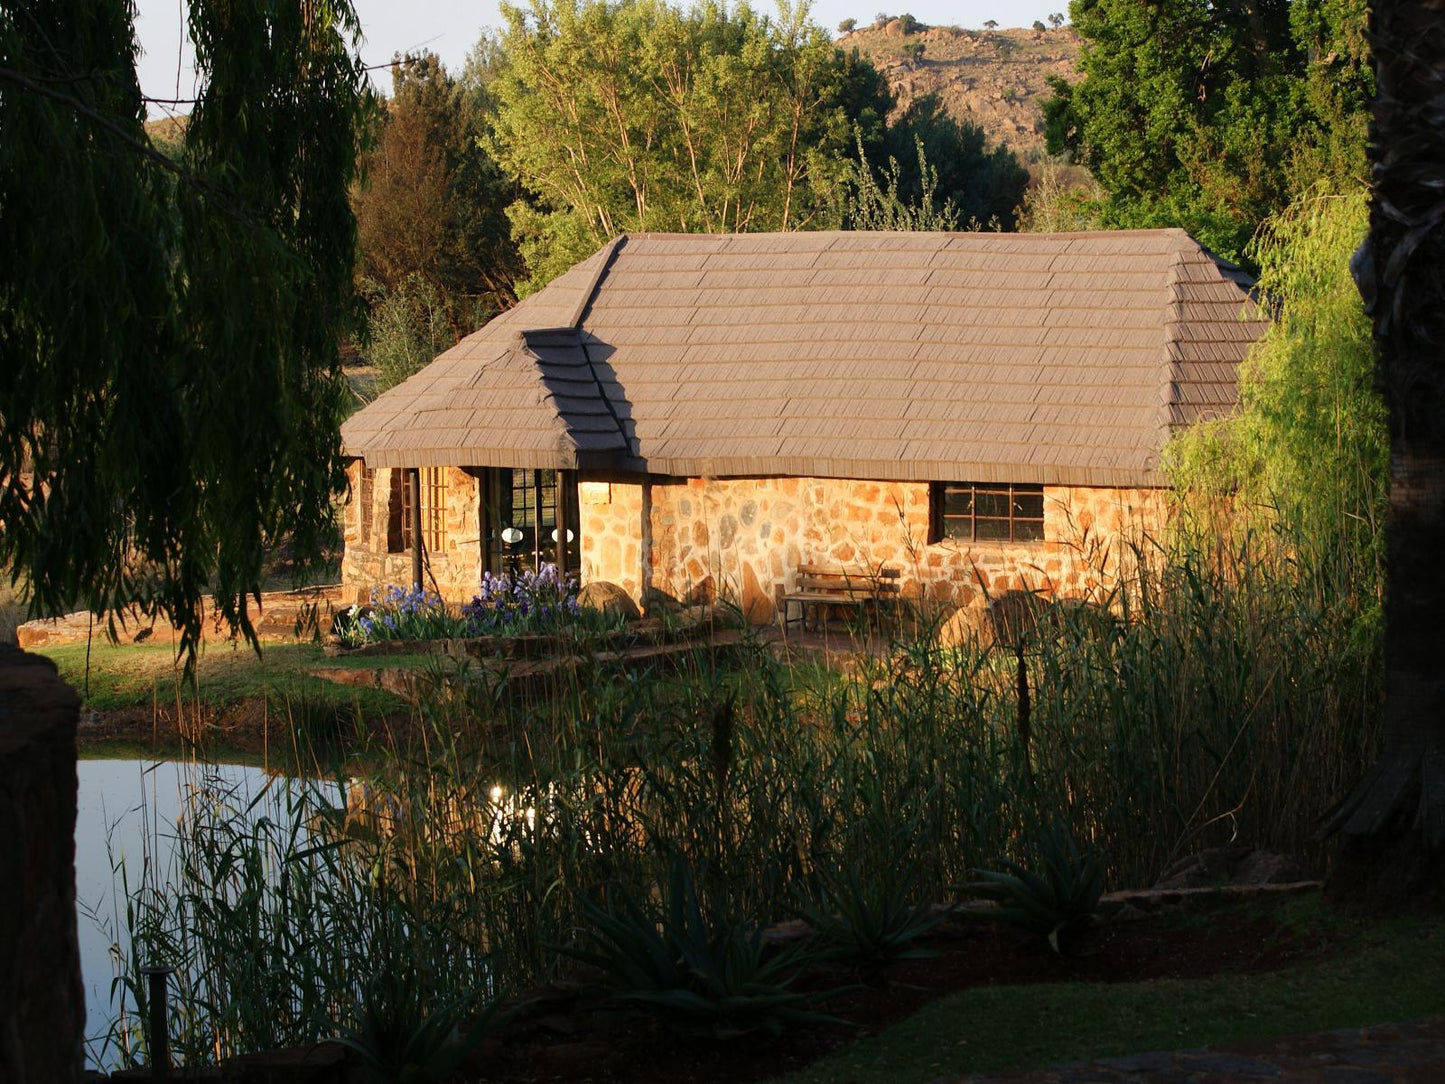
<point>1234,866</point>
<point>608,598</point>
<point>965,624</point>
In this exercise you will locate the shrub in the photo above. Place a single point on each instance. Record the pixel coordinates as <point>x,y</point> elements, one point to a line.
<point>703,978</point>
<point>1039,25</point>
<point>847,26</point>
<point>908,24</point>
<point>1062,893</point>
<point>869,921</point>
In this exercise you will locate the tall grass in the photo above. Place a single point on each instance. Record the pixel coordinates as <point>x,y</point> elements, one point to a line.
<point>1223,693</point>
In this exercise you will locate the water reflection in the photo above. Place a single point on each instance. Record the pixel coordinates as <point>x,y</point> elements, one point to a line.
<point>127,812</point>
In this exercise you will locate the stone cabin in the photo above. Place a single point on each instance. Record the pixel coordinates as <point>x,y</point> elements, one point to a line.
<point>701,414</point>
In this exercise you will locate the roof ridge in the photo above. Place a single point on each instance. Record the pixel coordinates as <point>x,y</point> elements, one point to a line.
<point>604,264</point>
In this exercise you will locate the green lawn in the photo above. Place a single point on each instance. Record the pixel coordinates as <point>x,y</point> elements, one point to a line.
<point>1385,971</point>
<point>139,675</point>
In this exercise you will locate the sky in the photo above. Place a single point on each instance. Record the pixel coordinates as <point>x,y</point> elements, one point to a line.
<point>450,28</point>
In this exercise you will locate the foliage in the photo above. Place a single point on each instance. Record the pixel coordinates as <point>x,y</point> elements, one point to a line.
<point>1221,693</point>
<point>847,26</point>
<point>408,326</point>
<point>533,601</point>
<point>631,116</point>
<point>907,24</point>
<point>1039,25</point>
<point>984,184</point>
<point>1212,117</point>
<point>398,613</point>
<point>170,386</point>
<point>872,206</point>
<point>706,978</point>
<point>1062,199</point>
<point>1307,446</point>
<point>435,244</point>
<point>1056,20</point>
<point>869,920</point>
<point>402,1038</point>
<point>1060,895</point>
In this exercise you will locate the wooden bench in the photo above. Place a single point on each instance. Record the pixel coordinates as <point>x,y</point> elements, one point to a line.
<point>859,587</point>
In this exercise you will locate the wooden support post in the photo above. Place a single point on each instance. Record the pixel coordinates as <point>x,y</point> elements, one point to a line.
<point>414,477</point>
<point>562,477</point>
<point>536,521</point>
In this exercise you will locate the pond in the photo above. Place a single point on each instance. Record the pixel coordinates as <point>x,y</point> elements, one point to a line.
<point>127,812</point>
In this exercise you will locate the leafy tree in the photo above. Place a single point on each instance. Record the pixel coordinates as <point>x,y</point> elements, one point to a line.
<point>407,327</point>
<point>881,20</point>
<point>170,388</point>
<point>1061,198</point>
<point>907,24</point>
<point>985,185</point>
<point>1039,25</point>
<point>637,115</point>
<point>1213,116</point>
<point>1056,20</point>
<point>847,25</point>
<point>990,24</point>
<point>1394,821</point>
<point>1308,443</point>
<point>433,206</point>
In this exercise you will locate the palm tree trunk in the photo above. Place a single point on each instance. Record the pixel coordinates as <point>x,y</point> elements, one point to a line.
<point>1394,822</point>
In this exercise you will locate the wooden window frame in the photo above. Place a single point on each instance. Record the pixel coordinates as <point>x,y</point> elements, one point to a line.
<point>434,509</point>
<point>938,520</point>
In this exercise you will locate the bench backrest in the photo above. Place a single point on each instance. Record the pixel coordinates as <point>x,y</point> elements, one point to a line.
<point>849,581</point>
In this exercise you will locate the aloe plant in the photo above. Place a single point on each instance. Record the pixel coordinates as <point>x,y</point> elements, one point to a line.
<point>704,978</point>
<point>1061,895</point>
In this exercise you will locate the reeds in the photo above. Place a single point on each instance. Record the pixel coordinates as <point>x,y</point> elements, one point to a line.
<point>1225,693</point>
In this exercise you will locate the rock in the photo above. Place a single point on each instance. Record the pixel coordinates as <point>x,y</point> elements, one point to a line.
<point>608,598</point>
<point>656,601</point>
<point>1013,615</point>
<point>1234,866</point>
<point>964,625</point>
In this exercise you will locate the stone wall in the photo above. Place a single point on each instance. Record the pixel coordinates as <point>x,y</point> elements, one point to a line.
<point>745,538</point>
<point>367,563</point>
<point>42,1002</point>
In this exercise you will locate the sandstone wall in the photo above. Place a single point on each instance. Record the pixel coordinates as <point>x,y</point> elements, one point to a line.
<point>365,564</point>
<point>42,1003</point>
<point>745,538</point>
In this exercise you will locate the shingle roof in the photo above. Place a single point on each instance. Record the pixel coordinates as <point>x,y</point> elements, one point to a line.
<point>1055,358</point>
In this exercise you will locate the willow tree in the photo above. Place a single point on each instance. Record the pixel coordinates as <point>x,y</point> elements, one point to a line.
<point>170,386</point>
<point>1394,821</point>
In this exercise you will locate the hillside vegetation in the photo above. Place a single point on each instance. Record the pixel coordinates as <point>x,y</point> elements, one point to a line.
<point>995,79</point>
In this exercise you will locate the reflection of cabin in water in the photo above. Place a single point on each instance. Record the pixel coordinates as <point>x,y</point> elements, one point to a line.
<point>700,411</point>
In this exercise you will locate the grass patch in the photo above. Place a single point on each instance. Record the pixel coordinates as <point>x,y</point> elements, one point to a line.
<point>141,675</point>
<point>1393,971</point>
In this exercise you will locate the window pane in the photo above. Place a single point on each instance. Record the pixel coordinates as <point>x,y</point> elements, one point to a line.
<point>992,530</point>
<point>1028,502</point>
<point>959,527</point>
<point>958,501</point>
<point>1029,530</point>
<point>992,503</point>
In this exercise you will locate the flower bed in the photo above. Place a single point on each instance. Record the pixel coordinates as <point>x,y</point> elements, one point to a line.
<point>535,615</point>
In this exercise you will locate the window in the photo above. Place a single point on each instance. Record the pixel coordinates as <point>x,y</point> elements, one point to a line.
<point>365,498</point>
<point>987,512</point>
<point>525,501</point>
<point>434,509</point>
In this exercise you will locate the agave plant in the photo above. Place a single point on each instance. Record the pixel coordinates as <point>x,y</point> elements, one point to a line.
<point>869,921</point>
<point>715,979</point>
<point>1062,894</point>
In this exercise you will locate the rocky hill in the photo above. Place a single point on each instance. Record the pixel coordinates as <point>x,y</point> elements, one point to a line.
<point>991,78</point>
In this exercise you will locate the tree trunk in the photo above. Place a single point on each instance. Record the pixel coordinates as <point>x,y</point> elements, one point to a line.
<point>1394,822</point>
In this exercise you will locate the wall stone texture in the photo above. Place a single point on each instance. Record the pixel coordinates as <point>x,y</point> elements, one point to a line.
<point>744,538</point>
<point>366,563</point>
<point>42,1002</point>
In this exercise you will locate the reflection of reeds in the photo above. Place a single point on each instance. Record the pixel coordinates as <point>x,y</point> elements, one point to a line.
<point>1224,692</point>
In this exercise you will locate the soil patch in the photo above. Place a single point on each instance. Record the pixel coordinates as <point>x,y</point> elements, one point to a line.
<point>573,1034</point>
